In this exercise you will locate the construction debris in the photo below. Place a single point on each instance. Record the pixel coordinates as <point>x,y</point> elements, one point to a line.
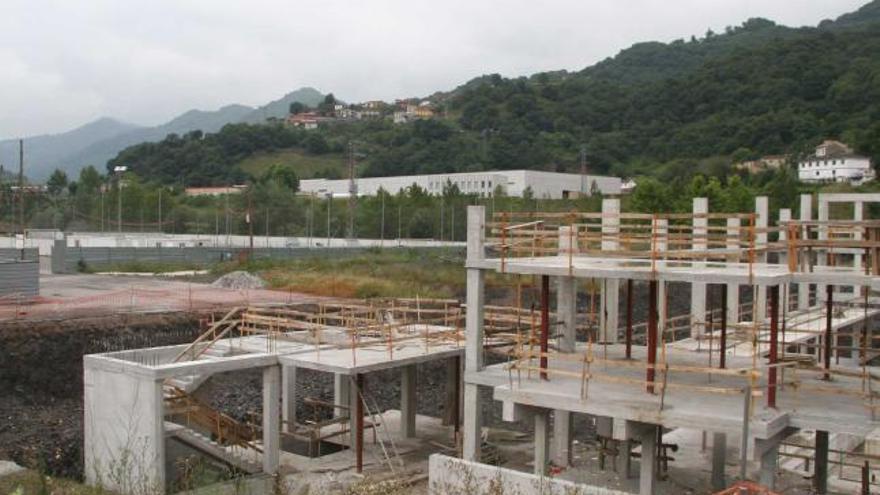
<point>239,280</point>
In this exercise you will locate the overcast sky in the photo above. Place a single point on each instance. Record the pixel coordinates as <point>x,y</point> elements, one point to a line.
<point>64,63</point>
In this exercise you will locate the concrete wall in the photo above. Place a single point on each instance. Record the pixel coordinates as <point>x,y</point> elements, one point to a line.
<point>452,476</point>
<point>123,429</point>
<point>19,278</point>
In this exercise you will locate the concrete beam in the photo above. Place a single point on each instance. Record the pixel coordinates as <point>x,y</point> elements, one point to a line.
<point>408,401</point>
<point>271,419</point>
<point>733,237</point>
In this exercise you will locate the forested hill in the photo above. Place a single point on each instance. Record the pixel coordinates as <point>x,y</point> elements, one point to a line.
<point>665,109</point>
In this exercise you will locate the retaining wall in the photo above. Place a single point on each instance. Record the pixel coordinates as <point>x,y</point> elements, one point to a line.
<point>452,476</point>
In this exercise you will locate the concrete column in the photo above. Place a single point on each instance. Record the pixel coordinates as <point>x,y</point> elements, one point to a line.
<point>821,254</point>
<point>698,289</point>
<point>858,216</point>
<point>271,418</point>
<point>662,245</point>
<point>566,313</point>
<point>733,238</point>
<point>288,397</point>
<point>784,218</point>
<point>473,423</point>
<point>806,215</point>
<point>719,454</point>
<point>452,389</point>
<point>648,463</point>
<point>341,395</point>
<point>408,401</point>
<point>474,332</point>
<point>624,461</point>
<point>542,441</point>
<point>762,211</point>
<point>353,399</point>
<point>768,466</point>
<point>562,438</point>
<point>820,477</point>
<point>608,315</point>
<point>566,296</point>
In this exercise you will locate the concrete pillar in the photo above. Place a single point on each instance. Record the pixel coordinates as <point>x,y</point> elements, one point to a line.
<point>762,211</point>
<point>784,218</point>
<point>408,401</point>
<point>648,463</point>
<point>806,215</point>
<point>608,315</point>
<point>542,441</point>
<point>820,477</point>
<point>473,423</point>
<point>288,397</point>
<point>271,418</point>
<point>662,245</point>
<point>821,254</point>
<point>562,438</point>
<point>768,466</point>
<point>719,454</point>
<point>59,255</point>
<point>341,395</point>
<point>566,296</point>
<point>624,461</point>
<point>452,391</point>
<point>733,242</point>
<point>474,332</point>
<point>353,399</point>
<point>698,289</point>
<point>858,216</point>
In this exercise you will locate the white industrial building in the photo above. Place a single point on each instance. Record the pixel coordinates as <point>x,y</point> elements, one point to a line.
<point>546,185</point>
<point>835,162</point>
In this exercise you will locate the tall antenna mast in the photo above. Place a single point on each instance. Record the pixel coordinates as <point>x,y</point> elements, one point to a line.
<point>352,190</point>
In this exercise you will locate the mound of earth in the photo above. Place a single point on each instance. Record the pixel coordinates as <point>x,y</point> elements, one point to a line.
<point>239,280</point>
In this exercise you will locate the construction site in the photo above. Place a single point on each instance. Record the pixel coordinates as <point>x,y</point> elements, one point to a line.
<point>638,353</point>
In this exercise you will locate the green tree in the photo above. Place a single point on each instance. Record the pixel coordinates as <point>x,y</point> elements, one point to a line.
<point>57,182</point>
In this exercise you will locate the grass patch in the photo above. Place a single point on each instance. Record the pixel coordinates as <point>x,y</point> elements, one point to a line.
<point>33,483</point>
<point>306,166</point>
<point>375,273</point>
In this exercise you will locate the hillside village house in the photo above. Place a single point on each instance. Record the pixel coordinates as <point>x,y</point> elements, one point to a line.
<point>834,161</point>
<point>306,120</point>
<point>412,112</point>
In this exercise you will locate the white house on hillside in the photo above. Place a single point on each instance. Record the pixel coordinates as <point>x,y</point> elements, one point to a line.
<point>834,161</point>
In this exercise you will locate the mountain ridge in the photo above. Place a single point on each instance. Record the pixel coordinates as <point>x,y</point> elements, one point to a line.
<point>98,141</point>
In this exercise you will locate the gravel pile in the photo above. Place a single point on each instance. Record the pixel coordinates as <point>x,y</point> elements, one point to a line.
<point>239,280</point>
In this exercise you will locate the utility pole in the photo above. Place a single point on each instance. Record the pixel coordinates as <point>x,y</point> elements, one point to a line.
<point>584,186</point>
<point>160,209</point>
<point>103,191</point>
<point>382,227</point>
<point>352,190</point>
<point>119,170</point>
<point>21,193</point>
<point>399,224</point>
<point>267,226</point>
<point>329,205</point>
<point>310,221</point>
<point>250,222</point>
<point>226,199</point>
